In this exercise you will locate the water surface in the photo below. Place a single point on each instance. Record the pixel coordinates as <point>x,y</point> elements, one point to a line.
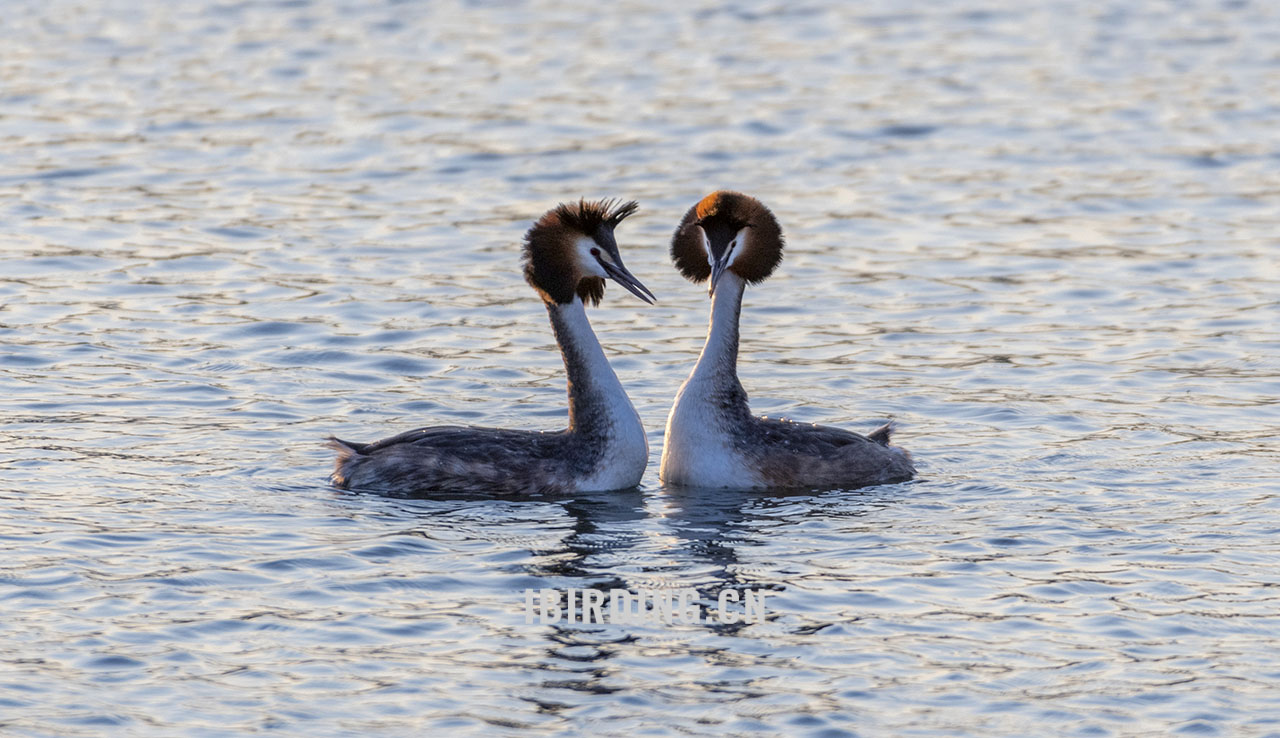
<point>1041,239</point>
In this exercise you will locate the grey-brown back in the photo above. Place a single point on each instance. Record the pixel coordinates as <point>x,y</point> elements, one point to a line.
<point>791,454</point>
<point>467,459</point>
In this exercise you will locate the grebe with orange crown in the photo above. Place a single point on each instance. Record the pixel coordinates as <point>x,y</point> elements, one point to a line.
<point>712,439</point>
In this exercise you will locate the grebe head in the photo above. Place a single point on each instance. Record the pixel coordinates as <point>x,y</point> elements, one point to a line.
<point>570,251</point>
<point>727,231</point>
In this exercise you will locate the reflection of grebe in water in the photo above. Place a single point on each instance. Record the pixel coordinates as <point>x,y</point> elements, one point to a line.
<point>712,438</point>
<point>568,254</point>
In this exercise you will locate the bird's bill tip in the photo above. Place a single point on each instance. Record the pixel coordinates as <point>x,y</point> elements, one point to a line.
<point>619,274</point>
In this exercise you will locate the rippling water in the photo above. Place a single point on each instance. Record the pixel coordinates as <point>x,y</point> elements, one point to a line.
<point>1042,239</point>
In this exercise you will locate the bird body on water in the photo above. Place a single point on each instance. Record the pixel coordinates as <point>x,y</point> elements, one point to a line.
<point>568,254</point>
<point>712,439</point>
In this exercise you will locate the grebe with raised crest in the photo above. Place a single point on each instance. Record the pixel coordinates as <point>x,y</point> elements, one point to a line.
<point>712,439</point>
<point>568,254</point>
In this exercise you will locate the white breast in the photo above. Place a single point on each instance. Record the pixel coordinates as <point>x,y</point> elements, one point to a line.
<point>698,451</point>
<point>627,453</point>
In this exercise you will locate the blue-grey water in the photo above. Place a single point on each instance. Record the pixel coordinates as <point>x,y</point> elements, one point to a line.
<point>1043,238</point>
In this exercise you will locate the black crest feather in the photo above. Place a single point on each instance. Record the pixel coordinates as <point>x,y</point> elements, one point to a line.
<point>589,216</point>
<point>686,249</point>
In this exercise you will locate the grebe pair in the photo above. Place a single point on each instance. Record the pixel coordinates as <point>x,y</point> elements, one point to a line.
<point>712,439</point>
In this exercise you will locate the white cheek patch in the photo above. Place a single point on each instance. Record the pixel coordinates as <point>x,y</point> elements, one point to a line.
<point>706,246</point>
<point>736,246</point>
<point>587,261</point>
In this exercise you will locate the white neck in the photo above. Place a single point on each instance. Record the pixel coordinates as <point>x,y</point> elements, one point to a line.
<point>592,381</point>
<point>598,405</point>
<point>699,449</point>
<point>718,362</point>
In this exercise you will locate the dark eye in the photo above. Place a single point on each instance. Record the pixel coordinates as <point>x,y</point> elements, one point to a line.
<point>595,252</point>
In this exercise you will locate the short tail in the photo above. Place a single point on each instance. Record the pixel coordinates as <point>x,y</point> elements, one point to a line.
<point>345,449</point>
<point>346,452</point>
<point>880,435</point>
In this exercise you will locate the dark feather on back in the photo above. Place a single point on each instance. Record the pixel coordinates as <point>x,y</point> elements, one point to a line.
<point>466,459</point>
<point>823,455</point>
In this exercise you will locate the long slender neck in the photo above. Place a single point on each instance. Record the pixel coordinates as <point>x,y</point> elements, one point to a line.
<point>594,389</point>
<point>718,364</point>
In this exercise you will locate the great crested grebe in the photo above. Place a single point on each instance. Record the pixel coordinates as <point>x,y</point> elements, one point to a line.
<point>568,253</point>
<point>712,438</point>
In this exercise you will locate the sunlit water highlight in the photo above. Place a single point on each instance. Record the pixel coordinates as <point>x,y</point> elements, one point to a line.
<point>1043,240</point>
